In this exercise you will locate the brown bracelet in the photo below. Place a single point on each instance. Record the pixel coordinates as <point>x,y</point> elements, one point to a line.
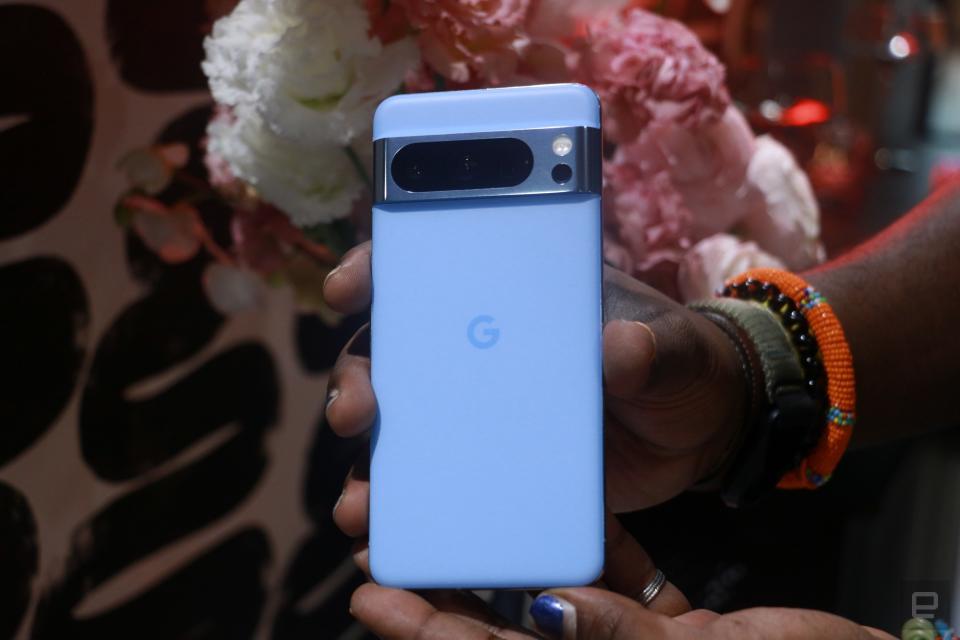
<point>753,375</point>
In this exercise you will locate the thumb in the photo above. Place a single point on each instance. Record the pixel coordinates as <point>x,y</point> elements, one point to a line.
<point>595,614</point>
<point>651,344</point>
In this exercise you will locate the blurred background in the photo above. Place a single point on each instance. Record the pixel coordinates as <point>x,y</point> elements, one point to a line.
<point>164,469</point>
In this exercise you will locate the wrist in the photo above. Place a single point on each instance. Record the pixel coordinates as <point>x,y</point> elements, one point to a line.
<point>733,358</point>
<point>821,346</point>
<point>784,416</point>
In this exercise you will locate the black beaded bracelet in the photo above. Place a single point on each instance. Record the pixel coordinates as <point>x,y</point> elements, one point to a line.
<point>790,316</point>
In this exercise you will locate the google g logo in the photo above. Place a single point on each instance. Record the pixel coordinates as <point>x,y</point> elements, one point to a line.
<point>481,333</point>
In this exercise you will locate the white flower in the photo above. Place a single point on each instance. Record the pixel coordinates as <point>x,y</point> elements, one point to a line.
<point>308,67</point>
<point>312,184</point>
<point>788,226</point>
<point>713,260</point>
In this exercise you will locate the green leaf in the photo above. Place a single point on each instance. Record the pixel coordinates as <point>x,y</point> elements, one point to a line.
<point>122,214</point>
<point>338,236</point>
<point>321,104</point>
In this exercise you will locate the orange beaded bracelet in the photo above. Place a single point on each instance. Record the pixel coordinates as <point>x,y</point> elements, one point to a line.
<point>837,360</point>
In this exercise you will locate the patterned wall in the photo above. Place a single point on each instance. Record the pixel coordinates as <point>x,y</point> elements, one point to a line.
<point>163,469</point>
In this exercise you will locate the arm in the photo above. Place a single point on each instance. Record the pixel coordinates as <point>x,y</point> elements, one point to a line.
<point>897,298</point>
<point>674,387</point>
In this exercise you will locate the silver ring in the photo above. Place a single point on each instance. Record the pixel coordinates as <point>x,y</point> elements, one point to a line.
<point>653,588</point>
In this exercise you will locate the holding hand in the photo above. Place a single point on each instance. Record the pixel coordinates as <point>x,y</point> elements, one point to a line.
<point>674,398</point>
<point>674,388</point>
<point>585,614</point>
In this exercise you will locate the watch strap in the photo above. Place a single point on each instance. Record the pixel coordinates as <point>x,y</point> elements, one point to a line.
<point>773,440</point>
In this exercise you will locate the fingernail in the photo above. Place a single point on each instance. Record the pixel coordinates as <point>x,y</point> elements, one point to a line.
<point>336,505</point>
<point>331,272</point>
<point>653,338</point>
<point>332,396</point>
<point>552,615</point>
<point>360,345</point>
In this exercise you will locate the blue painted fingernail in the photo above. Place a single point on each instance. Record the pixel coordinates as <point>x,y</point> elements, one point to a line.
<point>547,613</point>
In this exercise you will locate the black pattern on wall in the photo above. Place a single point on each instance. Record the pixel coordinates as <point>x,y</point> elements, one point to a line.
<point>164,470</point>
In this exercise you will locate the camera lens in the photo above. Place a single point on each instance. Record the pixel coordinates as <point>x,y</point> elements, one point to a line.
<point>517,167</point>
<point>562,173</point>
<point>467,167</point>
<point>414,172</point>
<point>456,165</point>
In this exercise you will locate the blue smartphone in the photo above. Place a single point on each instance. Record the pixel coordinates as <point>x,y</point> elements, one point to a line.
<point>486,463</point>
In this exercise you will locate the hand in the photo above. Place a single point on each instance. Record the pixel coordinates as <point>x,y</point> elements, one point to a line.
<point>674,391</point>
<point>606,611</point>
<point>394,613</point>
<point>674,398</point>
<point>585,614</point>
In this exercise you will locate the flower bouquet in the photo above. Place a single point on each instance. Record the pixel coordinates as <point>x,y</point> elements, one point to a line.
<point>691,196</point>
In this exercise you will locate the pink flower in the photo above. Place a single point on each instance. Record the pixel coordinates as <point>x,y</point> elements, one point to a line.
<point>787,222</point>
<point>265,240</point>
<point>467,40</point>
<point>387,21</point>
<point>420,79</point>
<point>710,262</point>
<point>615,254</point>
<point>559,20</point>
<point>219,173</point>
<point>645,218</point>
<point>707,165</point>
<point>255,242</point>
<point>650,69</point>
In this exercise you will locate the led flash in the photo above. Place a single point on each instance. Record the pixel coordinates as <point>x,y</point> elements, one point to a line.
<point>562,145</point>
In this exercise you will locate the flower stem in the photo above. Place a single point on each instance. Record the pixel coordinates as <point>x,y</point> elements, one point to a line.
<point>358,167</point>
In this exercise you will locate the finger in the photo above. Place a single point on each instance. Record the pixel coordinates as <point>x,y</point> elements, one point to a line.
<point>695,371</point>
<point>640,472</point>
<point>469,604</point>
<point>394,614</point>
<point>351,404</point>
<point>698,618</point>
<point>629,569</point>
<point>361,556</point>
<point>352,511</point>
<point>789,624</point>
<point>456,601</point>
<point>629,349</point>
<point>347,288</point>
<point>595,614</point>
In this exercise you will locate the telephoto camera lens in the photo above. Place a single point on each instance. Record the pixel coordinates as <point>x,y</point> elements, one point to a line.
<point>466,168</point>
<point>414,172</point>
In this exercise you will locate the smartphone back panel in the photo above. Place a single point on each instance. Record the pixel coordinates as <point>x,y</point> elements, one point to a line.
<point>486,461</point>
